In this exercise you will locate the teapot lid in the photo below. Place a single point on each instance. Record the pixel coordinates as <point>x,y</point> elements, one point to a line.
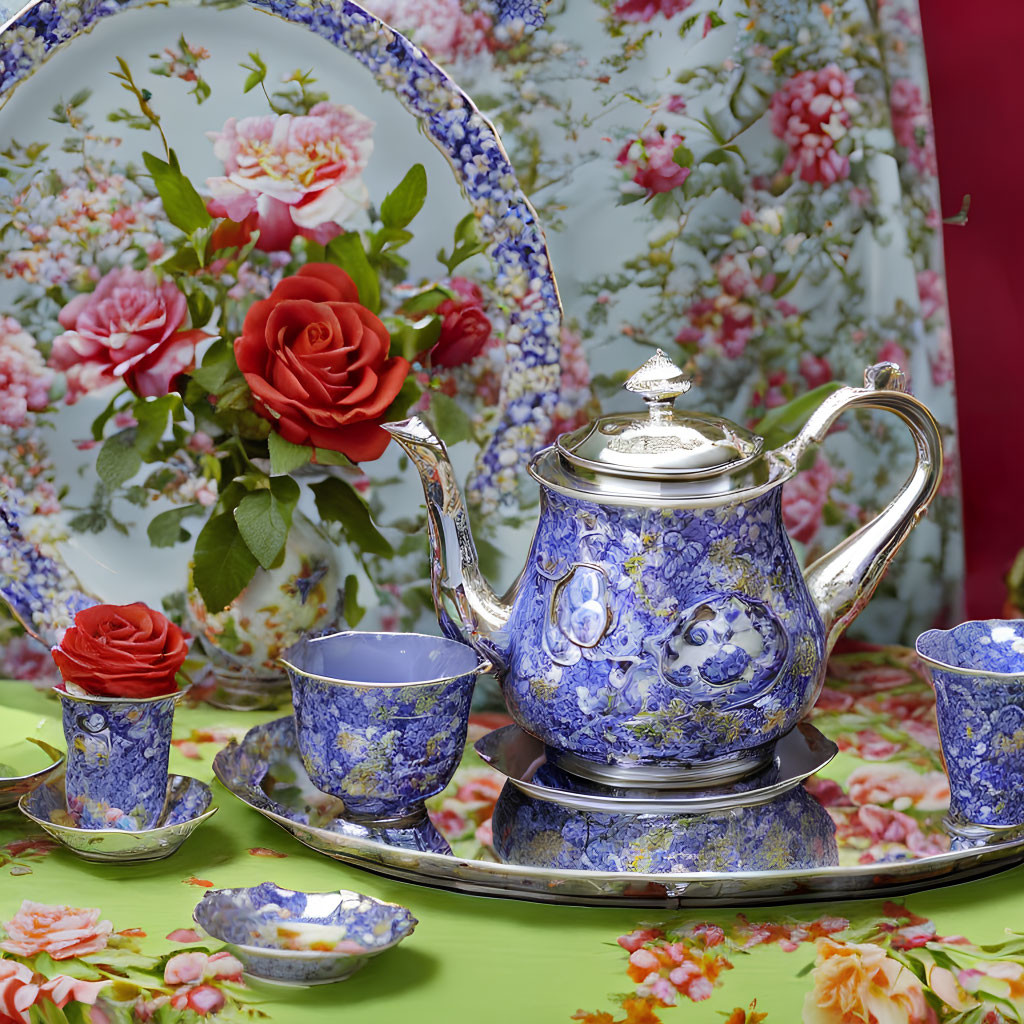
<point>665,444</point>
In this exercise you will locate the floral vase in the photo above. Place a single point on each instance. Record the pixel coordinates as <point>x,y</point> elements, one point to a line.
<point>242,643</point>
<point>118,749</point>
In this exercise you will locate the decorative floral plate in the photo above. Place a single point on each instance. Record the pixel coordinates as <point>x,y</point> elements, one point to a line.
<point>161,202</point>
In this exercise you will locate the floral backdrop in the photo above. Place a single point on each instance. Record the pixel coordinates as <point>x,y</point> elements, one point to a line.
<point>748,185</point>
<point>751,185</point>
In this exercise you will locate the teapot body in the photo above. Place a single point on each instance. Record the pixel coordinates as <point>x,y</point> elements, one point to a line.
<point>644,636</point>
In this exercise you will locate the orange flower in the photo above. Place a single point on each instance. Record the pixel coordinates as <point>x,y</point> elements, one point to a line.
<point>62,932</point>
<point>859,983</point>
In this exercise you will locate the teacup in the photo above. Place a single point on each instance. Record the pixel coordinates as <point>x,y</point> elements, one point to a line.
<point>118,751</point>
<point>977,670</point>
<point>381,718</point>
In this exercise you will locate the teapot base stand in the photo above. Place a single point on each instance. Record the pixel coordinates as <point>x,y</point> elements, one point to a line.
<point>679,776</point>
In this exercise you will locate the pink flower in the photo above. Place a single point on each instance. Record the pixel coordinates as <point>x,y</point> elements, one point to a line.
<point>912,125</point>
<point>811,113</point>
<point>900,786</point>
<point>441,27</point>
<point>931,290</point>
<point>299,173</point>
<point>24,379</point>
<point>20,990</point>
<point>61,931</point>
<point>645,10</point>
<point>465,328</point>
<point>815,370</point>
<point>185,968</point>
<point>127,329</point>
<point>649,162</point>
<point>804,498</point>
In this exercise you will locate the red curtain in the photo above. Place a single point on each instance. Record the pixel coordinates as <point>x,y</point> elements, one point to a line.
<point>976,65</point>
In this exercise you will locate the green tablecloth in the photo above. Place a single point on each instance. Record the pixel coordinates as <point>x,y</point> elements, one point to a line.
<point>477,959</point>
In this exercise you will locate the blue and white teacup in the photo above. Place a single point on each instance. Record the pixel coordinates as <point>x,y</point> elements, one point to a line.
<point>977,670</point>
<point>118,752</point>
<point>381,718</point>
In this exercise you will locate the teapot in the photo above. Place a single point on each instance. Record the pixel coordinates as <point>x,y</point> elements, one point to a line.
<point>662,631</point>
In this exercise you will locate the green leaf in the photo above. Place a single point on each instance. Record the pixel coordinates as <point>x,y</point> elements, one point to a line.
<point>337,501</point>
<point>427,301</point>
<point>467,243</point>
<point>113,407</point>
<point>407,397</point>
<point>326,457</point>
<point>783,423</point>
<point>406,200</point>
<point>218,365</point>
<point>183,205</point>
<point>118,460</point>
<point>223,565</point>
<point>347,252</point>
<point>264,518</point>
<point>682,156</point>
<point>165,530</point>
<point>285,456</point>
<point>257,71</point>
<point>410,339</point>
<point>351,609</point>
<point>452,423</point>
<point>200,308</point>
<point>152,415</point>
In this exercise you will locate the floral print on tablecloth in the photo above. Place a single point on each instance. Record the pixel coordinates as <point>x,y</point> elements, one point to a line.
<point>749,184</point>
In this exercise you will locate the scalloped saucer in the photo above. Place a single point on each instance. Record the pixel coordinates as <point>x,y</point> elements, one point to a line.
<point>520,758</point>
<point>188,806</point>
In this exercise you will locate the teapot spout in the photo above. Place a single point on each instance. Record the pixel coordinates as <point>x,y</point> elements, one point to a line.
<point>467,608</point>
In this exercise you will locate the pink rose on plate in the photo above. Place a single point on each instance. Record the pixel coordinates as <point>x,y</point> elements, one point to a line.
<point>443,28</point>
<point>804,498</point>
<point>61,931</point>
<point>24,378</point>
<point>128,329</point>
<point>301,174</point>
<point>649,161</point>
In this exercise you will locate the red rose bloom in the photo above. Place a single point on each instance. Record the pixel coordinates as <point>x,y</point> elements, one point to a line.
<point>122,651</point>
<point>317,363</point>
<point>465,328</point>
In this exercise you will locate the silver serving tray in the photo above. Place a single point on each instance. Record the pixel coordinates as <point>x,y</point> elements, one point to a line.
<point>242,767</point>
<point>517,755</point>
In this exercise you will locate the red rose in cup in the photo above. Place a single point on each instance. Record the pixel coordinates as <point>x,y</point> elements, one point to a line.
<point>317,363</point>
<point>122,651</point>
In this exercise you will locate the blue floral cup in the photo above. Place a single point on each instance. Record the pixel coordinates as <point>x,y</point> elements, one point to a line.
<point>381,718</point>
<point>118,751</point>
<point>977,670</point>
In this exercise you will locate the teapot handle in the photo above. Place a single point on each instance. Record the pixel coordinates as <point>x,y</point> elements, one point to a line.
<point>842,581</point>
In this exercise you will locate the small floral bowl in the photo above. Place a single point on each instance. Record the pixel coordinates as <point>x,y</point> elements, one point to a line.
<point>301,938</point>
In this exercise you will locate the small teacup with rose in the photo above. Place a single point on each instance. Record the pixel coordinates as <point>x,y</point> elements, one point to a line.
<point>120,668</point>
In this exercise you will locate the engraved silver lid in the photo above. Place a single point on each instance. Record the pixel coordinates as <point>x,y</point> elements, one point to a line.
<point>666,444</point>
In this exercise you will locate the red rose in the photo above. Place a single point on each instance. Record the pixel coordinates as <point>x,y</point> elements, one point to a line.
<point>317,363</point>
<point>465,328</point>
<point>122,651</point>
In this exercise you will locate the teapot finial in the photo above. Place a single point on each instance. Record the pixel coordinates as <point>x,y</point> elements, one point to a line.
<point>658,380</point>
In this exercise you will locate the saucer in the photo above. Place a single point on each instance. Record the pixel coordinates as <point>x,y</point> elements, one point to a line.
<point>188,806</point>
<point>266,772</point>
<point>15,786</point>
<point>301,939</point>
<point>519,757</point>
